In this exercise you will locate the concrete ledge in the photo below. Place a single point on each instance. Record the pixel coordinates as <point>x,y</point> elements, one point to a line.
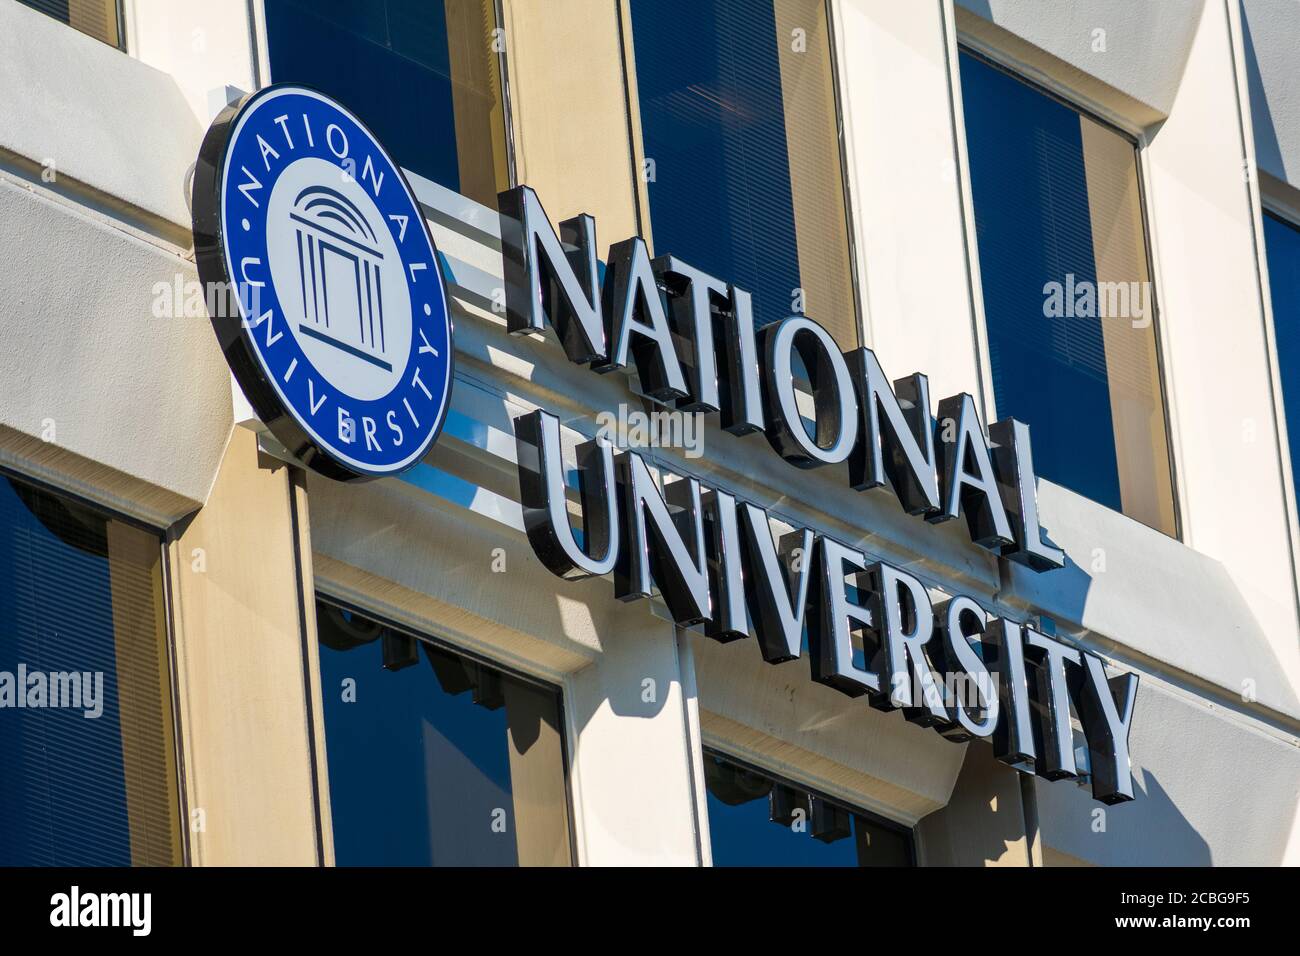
<point>1126,586</point>
<point>1126,79</point>
<point>776,716</point>
<point>385,546</point>
<point>86,365</point>
<point>102,118</point>
<point>107,487</point>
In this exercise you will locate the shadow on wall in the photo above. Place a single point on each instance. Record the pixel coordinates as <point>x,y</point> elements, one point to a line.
<point>1151,831</point>
<point>1268,151</point>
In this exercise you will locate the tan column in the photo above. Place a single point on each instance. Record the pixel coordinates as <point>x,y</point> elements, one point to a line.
<point>1137,404</point>
<point>537,781</point>
<point>816,174</point>
<point>240,611</point>
<point>96,17</point>
<point>477,99</point>
<point>145,710</point>
<point>984,821</point>
<point>569,113</point>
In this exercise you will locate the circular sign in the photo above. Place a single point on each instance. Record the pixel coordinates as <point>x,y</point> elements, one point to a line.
<point>323,283</point>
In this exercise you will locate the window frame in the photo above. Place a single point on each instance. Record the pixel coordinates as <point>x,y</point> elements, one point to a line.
<point>327,596</point>
<point>259,43</point>
<point>1136,136</point>
<point>712,750</point>
<point>1281,202</point>
<point>163,537</point>
<point>641,188</point>
<point>851,225</point>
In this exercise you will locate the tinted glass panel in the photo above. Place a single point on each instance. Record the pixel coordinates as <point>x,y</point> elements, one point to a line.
<point>1282,245</point>
<point>436,759</point>
<point>758,820</point>
<point>740,132</point>
<point>422,74</point>
<point>1068,304</point>
<point>86,732</point>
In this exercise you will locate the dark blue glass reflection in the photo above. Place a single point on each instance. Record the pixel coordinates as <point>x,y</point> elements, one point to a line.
<point>1282,246</point>
<point>386,60</point>
<point>419,756</point>
<point>713,124</point>
<point>750,824</point>
<point>63,798</point>
<point>1033,227</point>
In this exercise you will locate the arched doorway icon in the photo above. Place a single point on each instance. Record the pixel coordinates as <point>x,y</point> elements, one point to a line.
<point>339,268</point>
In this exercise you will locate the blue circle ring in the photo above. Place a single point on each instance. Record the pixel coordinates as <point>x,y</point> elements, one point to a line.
<point>341,434</point>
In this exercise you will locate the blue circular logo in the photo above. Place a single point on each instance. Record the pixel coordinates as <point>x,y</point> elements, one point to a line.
<point>343,329</point>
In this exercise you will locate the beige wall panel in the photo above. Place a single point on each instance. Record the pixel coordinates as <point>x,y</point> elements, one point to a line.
<point>311,647</point>
<point>1053,857</point>
<point>816,177</point>
<point>146,715</point>
<point>538,781</point>
<point>202,47</point>
<point>565,65</point>
<point>477,99</point>
<point>1132,367</point>
<point>984,822</point>
<point>244,715</point>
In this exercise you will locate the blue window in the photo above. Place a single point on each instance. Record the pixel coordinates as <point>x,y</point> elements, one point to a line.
<point>424,75</point>
<point>437,759</point>
<point>86,723</point>
<point>756,819</point>
<point>1282,246</point>
<point>739,128</point>
<point>1069,307</point>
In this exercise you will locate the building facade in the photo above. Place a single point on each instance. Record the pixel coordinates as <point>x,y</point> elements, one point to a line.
<point>1084,218</point>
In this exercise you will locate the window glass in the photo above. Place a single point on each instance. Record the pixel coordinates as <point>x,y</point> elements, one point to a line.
<point>96,18</point>
<point>758,820</point>
<point>436,759</point>
<point>1068,303</point>
<point>86,721</point>
<point>1282,246</point>
<point>422,74</point>
<point>739,127</point>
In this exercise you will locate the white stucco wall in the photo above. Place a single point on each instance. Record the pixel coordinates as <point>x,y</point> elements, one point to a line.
<point>1212,788</point>
<point>1269,31</point>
